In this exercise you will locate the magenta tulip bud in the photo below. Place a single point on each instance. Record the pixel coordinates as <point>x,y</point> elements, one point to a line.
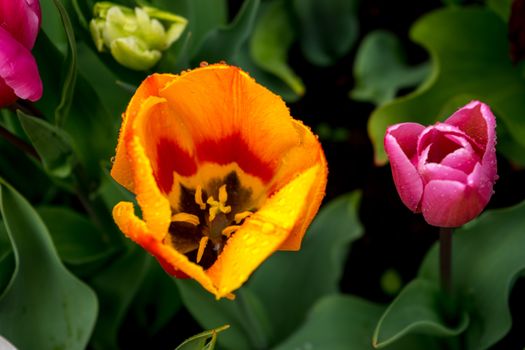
<point>446,171</point>
<point>19,76</point>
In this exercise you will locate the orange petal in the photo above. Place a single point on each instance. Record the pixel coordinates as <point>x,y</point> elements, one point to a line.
<point>121,170</point>
<point>138,231</point>
<point>265,231</point>
<point>231,119</point>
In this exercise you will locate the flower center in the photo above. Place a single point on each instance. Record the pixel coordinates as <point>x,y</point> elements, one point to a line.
<point>206,221</point>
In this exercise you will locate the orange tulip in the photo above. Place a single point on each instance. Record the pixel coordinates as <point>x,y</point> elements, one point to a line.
<point>223,174</point>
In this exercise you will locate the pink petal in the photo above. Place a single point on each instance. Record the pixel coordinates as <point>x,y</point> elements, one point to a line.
<point>18,68</point>
<point>435,171</point>
<point>21,18</point>
<point>406,135</point>
<point>463,159</point>
<point>448,203</point>
<point>408,183</point>
<point>481,181</point>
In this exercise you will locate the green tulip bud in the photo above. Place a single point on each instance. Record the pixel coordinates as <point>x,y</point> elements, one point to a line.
<point>135,38</point>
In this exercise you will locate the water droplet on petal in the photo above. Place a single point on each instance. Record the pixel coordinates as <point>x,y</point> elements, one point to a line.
<point>204,64</point>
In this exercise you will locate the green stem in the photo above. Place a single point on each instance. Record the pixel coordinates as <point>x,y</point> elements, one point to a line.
<point>445,258</point>
<point>18,143</point>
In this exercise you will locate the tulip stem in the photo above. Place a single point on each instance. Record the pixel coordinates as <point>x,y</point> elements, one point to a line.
<point>445,258</point>
<point>18,143</point>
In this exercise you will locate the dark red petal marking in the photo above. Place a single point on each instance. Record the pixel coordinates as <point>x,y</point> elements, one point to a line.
<point>171,158</point>
<point>233,149</point>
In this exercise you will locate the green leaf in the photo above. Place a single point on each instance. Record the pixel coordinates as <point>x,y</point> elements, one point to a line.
<point>66,318</point>
<point>380,69</point>
<point>202,341</point>
<point>272,37</point>
<point>341,322</point>
<point>116,287</point>
<point>7,259</point>
<point>469,50</point>
<point>224,44</point>
<point>421,308</point>
<point>487,259</point>
<point>245,331</point>
<point>501,7</point>
<point>51,143</point>
<point>311,273</point>
<point>77,239</point>
<point>327,29</point>
<point>68,81</point>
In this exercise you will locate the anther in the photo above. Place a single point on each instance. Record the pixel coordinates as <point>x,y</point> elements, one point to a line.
<point>202,246</point>
<point>241,216</point>
<point>229,230</point>
<point>185,217</point>
<point>198,197</point>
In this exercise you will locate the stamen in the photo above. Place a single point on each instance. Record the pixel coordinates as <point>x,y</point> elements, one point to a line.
<point>202,246</point>
<point>198,197</point>
<point>219,206</point>
<point>185,217</point>
<point>241,216</point>
<point>228,230</point>
<point>223,195</point>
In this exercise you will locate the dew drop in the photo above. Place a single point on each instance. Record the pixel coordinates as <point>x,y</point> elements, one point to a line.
<point>222,62</point>
<point>267,228</point>
<point>204,64</point>
<point>112,160</point>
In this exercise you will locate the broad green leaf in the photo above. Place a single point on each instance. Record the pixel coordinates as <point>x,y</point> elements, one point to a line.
<point>469,50</point>
<point>7,259</point>
<point>487,258</point>
<point>245,331</point>
<point>202,341</point>
<point>52,144</point>
<point>341,322</point>
<point>421,308</point>
<point>224,44</point>
<point>270,42</point>
<point>77,240</point>
<point>44,306</point>
<point>69,79</point>
<point>315,271</point>
<point>116,286</point>
<point>156,301</point>
<point>501,7</point>
<point>327,29</point>
<point>380,70</point>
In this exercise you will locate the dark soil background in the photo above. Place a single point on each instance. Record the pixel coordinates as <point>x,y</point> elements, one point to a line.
<point>394,238</point>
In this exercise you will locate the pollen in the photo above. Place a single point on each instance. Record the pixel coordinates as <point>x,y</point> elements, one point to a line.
<point>202,246</point>
<point>230,229</point>
<point>198,197</point>
<point>185,217</point>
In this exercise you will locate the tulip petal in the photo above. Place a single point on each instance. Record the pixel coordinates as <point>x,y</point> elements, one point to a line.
<point>463,159</point>
<point>408,182</point>
<point>169,258</point>
<point>448,203</point>
<point>264,232</point>
<point>435,171</point>
<point>232,119</point>
<point>18,68</point>
<point>21,18</point>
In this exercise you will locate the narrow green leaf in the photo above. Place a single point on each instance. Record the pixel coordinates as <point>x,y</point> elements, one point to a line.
<point>469,50</point>
<point>272,37</point>
<point>67,317</point>
<point>311,273</point>
<point>68,82</point>
<point>380,69</point>
<point>328,28</point>
<point>223,44</point>
<point>52,144</point>
<point>487,259</point>
<point>420,308</point>
<point>342,322</point>
<point>202,341</point>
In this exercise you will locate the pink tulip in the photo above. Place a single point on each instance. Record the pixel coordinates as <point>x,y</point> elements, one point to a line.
<point>446,171</point>
<point>19,25</point>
